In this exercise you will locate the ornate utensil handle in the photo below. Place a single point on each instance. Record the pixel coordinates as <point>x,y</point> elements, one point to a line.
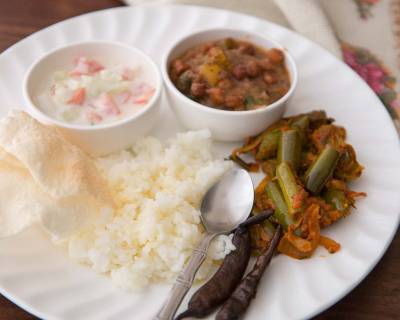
<point>184,281</point>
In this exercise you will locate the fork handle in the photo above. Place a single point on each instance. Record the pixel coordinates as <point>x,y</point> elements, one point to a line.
<point>184,281</point>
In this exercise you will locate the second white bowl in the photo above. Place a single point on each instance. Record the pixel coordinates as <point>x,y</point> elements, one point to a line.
<point>225,125</point>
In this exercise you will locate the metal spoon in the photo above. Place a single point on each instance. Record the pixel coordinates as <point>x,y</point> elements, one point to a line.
<point>225,205</point>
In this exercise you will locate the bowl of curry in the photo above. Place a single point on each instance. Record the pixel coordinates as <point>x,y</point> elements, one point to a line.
<point>230,81</point>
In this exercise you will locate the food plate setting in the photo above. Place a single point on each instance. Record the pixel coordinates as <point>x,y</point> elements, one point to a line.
<point>213,166</point>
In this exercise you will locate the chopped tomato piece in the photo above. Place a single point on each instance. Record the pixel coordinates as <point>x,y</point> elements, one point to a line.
<point>78,97</point>
<point>141,100</point>
<point>95,66</point>
<point>143,93</point>
<point>298,198</point>
<point>85,66</point>
<point>108,104</point>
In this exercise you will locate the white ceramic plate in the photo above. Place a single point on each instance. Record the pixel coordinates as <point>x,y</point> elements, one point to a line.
<point>40,278</point>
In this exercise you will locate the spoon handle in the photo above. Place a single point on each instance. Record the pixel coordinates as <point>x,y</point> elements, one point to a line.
<point>184,281</point>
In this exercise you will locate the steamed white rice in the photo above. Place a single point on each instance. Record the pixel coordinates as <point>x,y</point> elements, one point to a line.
<point>158,190</point>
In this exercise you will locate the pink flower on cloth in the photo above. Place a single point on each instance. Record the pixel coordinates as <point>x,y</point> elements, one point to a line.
<point>396,104</point>
<point>375,74</point>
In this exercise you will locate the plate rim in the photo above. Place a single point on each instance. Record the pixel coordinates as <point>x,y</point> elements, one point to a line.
<point>322,307</point>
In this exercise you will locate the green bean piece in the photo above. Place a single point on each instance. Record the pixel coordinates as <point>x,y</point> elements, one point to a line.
<point>281,212</point>
<point>288,184</point>
<point>268,145</point>
<point>289,148</point>
<point>301,124</point>
<point>321,169</point>
<point>269,228</point>
<point>337,199</point>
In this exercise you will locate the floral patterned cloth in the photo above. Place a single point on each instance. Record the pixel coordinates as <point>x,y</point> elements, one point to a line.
<point>369,33</point>
<point>378,77</point>
<point>365,33</point>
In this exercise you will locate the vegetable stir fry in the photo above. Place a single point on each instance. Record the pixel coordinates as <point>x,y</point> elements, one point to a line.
<point>307,165</point>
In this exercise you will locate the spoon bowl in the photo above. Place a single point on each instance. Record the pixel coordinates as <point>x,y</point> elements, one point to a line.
<point>228,203</point>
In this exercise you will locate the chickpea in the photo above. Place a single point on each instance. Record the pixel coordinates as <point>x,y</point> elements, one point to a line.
<point>239,72</point>
<point>234,102</point>
<point>198,89</point>
<point>246,48</point>
<point>275,55</point>
<point>252,69</point>
<point>225,84</point>
<point>266,65</point>
<point>179,66</point>
<point>269,78</point>
<point>216,95</point>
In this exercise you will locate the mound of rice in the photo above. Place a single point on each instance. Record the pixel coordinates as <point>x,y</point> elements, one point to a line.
<point>151,234</point>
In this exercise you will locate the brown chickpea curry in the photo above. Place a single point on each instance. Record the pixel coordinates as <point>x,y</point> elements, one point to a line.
<point>231,74</point>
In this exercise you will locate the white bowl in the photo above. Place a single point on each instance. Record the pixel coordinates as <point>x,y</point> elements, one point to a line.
<point>225,125</point>
<point>105,138</point>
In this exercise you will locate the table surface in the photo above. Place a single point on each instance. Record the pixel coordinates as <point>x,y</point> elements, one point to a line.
<point>377,297</point>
